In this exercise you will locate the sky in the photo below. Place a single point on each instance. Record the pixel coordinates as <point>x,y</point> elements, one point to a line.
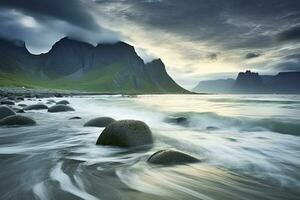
<point>196,39</point>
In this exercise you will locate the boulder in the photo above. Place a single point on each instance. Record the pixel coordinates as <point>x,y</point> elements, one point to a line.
<point>100,122</point>
<point>60,108</point>
<point>7,102</point>
<point>17,120</point>
<point>6,111</point>
<point>22,105</point>
<point>74,118</point>
<point>171,157</point>
<point>63,102</point>
<point>126,133</point>
<point>36,107</point>
<point>178,120</point>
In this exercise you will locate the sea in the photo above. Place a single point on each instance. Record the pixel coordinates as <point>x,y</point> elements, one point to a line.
<point>248,147</point>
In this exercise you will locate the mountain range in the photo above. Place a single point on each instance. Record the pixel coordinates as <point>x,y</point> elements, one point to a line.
<point>75,65</point>
<point>252,83</point>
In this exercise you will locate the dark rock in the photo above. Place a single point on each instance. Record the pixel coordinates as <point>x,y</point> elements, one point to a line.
<point>171,157</point>
<point>60,108</point>
<point>100,122</point>
<point>7,102</point>
<point>178,120</point>
<point>126,133</point>
<point>22,105</point>
<point>74,118</point>
<point>63,102</point>
<point>18,120</point>
<point>36,107</point>
<point>5,112</point>
<point>20,98</point>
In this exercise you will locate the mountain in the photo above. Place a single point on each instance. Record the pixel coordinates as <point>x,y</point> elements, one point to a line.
<point>253,83</point>
<point>249,82</point>
<point>76,65</point>
<point>214,86</point>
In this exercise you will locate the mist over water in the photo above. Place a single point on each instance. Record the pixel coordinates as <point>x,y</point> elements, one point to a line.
<point>249,147</point>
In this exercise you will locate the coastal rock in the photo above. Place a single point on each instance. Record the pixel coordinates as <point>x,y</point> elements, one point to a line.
<point>22,105</point>
<point>126,133</point>
<point>63,102</point>
<point>5,112</point>
<point>60,108</point>
<point>100,122</point>
<point>178,120</point>
<point>171,157</point>
<point>7,102</point>
<point>36,107</point>
<point>17,120</point>
<point>74,118</point>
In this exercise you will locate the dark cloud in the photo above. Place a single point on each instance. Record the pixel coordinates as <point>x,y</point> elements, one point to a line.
<point>71,11</point>
<point>252,55</point>
<point>291,34</point>
<point>42,23</point>
<point>232,24</point>
<point>288,66</point>
<point>213,56</point>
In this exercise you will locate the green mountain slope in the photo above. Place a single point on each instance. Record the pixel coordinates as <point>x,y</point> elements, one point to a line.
<point>75,65</point>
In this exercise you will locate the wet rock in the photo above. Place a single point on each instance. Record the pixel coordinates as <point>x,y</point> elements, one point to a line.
<point>178,120</point>
<point>74,118</point>
<point>7,102</point>
<point>100,122</point>
<point>126,133</point>
<point>22,105</point>
<point>60,108</point>
<point>63,102</point>
<point>6,111</point>
<point>17,120</point>
<point>171,157</point>
<point>36,107</point>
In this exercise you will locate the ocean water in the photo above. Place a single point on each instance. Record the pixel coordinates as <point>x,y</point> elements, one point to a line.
<point>249,147</point>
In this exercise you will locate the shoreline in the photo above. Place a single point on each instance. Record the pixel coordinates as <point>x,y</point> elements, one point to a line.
<point>46,93</point>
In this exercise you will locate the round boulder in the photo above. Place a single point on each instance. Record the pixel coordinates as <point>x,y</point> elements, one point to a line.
<point>22,105</point>
<point>126,133</point>
<point>17,120</point>
<point>6,111</point>
<point>100,122</point>
<point>36,107</point>
<point>60,108</point>
<point>63,102</point>
<point>171,157</point>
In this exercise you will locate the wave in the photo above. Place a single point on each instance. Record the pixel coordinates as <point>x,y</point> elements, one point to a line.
<point>213,121</point>
<point>233,100</point>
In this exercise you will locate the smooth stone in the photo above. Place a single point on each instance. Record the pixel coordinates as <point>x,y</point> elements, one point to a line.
<point>100,122</point>
<point>7,102</point>
<point>171,157</point>
<point>17,120</point>
<point>126,133</point>
<point>178,120</point>
<point>22,105</point>
<point>60,108</point>
<point>74,118</point>
<point>36,107</point>
<point>6,111</point>
<point>63,102</point>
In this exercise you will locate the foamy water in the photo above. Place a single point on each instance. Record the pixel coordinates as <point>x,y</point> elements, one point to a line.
<point>249,146</point>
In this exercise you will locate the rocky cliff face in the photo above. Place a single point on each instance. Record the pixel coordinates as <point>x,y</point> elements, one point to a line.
<point>249,82</point>
<point>72,64</point>
<point>253,83</point>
